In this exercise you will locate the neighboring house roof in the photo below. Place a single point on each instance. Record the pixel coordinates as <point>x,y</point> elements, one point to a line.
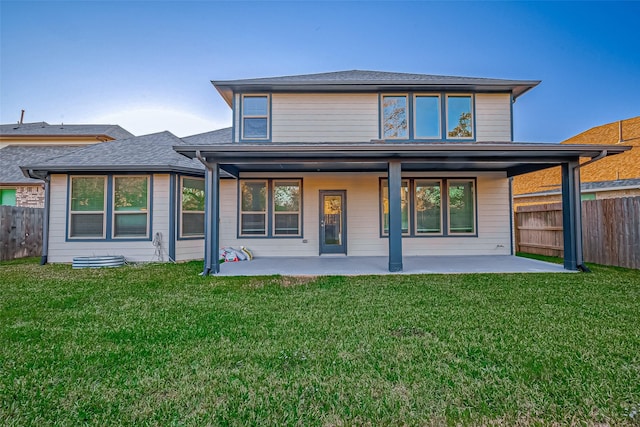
<point>220,136</point>
<point>621,167</point>
<point>362,80</point>
<point>146,153</point>
<point>14,155</point>
<point>44,129</point>
<point>591,187</point>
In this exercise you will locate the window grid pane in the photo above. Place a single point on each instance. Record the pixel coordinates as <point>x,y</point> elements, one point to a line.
<point>394,117</point>
<point>130,202</point>
<point>130,193</point>
<point>428,207</point>
<point>427,117</point>
<point>87,193</point>
<point>461,207</point>
<point>86,225</point>
<point>253,224</point>
<point>459,119</point>
<point>253,205</point>
<point>404,195</point>
<point>286,207</point>
<point>192,224</point>
<point>193,194</point>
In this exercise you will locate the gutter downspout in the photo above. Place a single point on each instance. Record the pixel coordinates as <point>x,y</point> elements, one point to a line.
<point>45,220</point>
<point>581,265</point>
<point>207,256</point>
<point>211,215</point>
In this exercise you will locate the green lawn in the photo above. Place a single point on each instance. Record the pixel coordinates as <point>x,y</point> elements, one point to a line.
<point>159,345</point>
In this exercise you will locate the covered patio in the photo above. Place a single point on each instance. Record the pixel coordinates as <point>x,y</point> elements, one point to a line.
<point>357,266</point>
<point>233,160</point>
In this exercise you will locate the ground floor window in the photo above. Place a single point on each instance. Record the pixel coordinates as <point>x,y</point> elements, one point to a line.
<point>270,207</point>
<point>433,207</point>
<point>191,207</point>
<point>87,207</point>
<point>131,206</point>
<point>124,200</point>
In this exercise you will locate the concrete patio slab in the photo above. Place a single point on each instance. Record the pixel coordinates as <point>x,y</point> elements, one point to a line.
<point>353,266</point>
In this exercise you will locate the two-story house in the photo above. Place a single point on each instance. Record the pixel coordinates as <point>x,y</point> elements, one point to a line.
<point>366,163</point>
<point>354,163</point>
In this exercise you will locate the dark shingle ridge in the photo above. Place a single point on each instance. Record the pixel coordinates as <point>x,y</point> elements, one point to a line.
<point>46,129</point>
<point>368,76</point>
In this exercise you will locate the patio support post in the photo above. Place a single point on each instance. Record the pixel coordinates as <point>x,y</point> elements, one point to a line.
<point>211,219</point>
<point>571,215</point>
<point>395,215</point>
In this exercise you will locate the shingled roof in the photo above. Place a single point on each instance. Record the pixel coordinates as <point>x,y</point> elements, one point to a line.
<point>220,136</point>
<point>45,129</point>
<point>364,80</point>
<point>14,155</point>
<point>146,153</point>
<point>621,167</point>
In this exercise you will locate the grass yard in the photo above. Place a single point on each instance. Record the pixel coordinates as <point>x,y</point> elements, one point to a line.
<point>159,345</point>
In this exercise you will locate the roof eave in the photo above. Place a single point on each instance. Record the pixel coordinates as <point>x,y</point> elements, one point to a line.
<point>36,171</point>
<point>229,87</point>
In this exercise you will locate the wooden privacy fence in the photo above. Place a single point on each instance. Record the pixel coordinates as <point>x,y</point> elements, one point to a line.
<point>610,231</point>
<point>20,232</point>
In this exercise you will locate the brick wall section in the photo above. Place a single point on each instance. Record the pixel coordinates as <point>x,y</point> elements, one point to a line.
<point>621,166</point>
<point>30,196</point>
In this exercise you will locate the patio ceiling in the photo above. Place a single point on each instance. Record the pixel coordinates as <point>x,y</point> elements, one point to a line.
<point>512,158</point>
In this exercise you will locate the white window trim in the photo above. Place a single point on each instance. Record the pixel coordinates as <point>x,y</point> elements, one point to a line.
<point>182,212</point>
<point>103,212</point>
<point>415,112</point>
<point>260,116</point>
<point>299,211</point>
<point>406,97</point>
<point>446,107</point>
<point>114,213</point>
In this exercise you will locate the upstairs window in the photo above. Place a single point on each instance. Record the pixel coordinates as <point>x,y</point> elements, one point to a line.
<point>459,117</point>
<point>427,117</point>
<point>394,117</point>
<point>424,116</point>
<point>255,117</point>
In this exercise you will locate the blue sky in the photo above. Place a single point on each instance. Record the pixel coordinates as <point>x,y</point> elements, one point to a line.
<point>147,65</point>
